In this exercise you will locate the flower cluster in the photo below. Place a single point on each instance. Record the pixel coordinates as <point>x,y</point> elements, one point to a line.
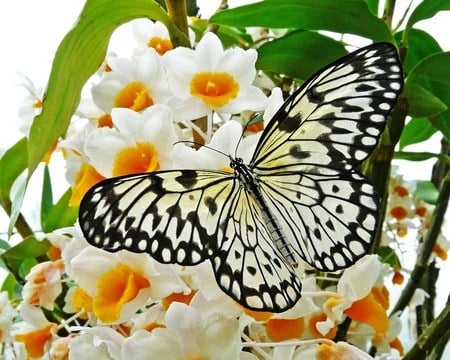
<point>141,117</point>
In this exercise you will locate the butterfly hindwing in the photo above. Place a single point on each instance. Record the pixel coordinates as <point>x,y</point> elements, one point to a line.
<point>336,117</point>
<point>329,219</point>
<point>248,266</point>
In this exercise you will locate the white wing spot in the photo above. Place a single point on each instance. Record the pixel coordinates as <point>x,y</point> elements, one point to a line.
<point>385,106</point>
<point>356,247</point>
<point>128,242</point>
<point>142,245</point>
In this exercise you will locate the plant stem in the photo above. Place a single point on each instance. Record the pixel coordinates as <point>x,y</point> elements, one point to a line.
<point>177,11</point>
<point>388,12</point>
<point>427,246</point>
<point>439,328</point>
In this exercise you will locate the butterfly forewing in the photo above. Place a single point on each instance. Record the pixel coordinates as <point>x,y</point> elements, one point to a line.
<point>174,215</point>
<point>336,117</point>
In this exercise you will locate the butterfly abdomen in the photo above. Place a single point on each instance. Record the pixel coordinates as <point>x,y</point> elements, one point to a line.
<point>249,181</point>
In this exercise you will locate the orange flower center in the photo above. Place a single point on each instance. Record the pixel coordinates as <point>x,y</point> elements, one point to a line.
<point>86,177</point>
<point>177,297</point>
<point>160,45</point>
<point>105,121</point>
<point>371,310</point>
<point>115,288</point>
<point>285,329</point>
<point>36,340</point>
<point>399,212</point>
<point>400,191</point>
<point>134,160</point>
<point>313,320</point>
<point>134,96</point>
<point>216,89</point>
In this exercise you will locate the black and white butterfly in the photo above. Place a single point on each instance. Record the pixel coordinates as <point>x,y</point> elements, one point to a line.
<point>300,197</point>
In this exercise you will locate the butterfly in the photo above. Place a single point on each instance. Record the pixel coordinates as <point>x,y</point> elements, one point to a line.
<point>300,198</point>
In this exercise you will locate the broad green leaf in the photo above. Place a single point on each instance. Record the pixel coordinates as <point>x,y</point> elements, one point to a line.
<point>415,131</point>
<point>420,45</point>
<point>229,36</point>
<point>426,191</point>
<point>17,201</point>
<point>47,197</point>
<point>427,9</point>
<point>373,6</point>
<point>420,156</point>
<point>435,67</point>
<point>12,287</point>
<point>389,256</point>
<point>4,245</point>
<point>12,164</point>
<point>352,17</point>
<point>29,247</point>
<point>61,214</point>
<point>422,102</point>
<point>299,54</point>
<point>78,56</point>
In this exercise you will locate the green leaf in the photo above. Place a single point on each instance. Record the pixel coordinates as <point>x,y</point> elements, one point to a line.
<point>61,214</point>
<point>420,45</point>
<point>416,131</point>
<point>389,256</point>
<point>373,6</point>
<point>426,191</point>
<point>420,156</point>
<point>17,201</point>
<point>348,16</point>
<point>435,67</point>
<point>12,287</point>
<point>12,164</point>
<point>47,197</point>
<point>29,247</point>
<point>79,55</point>
<point>299,54</point>
<point>421,101</point>
<point>229,36</point>
<point>427,9</point>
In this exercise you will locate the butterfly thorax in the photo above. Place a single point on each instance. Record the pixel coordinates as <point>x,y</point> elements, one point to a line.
<point>249,181</point>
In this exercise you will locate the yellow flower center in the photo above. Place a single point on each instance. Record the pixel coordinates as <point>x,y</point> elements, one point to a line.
<point>36,340</point>
<point>105,121</point>
<point>134,160</point>
<point>285,329</point>
<point>177,297</point>
<point>115,288</point>
<point>86,177</point>
<point>371,310</point>
<point>319,317</point>
<point>81,300</point>
<point>216,89</point>
<point>160,45</point>
<point>134,96</point>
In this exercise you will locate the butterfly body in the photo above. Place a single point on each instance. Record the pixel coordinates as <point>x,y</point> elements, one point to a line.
<point>301,195</point>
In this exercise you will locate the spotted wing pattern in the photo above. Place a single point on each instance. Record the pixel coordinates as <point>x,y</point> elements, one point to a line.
<point>204,215</point>
<point>302,178</point>
<point>306,158</point>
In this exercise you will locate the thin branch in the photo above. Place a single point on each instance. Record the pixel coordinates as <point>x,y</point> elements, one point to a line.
<point>427,246</point>
<point>439,328</point>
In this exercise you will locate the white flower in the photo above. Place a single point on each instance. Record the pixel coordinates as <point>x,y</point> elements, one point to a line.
<point>187,335</point>
<point>211,78</point>
<point>121,283</point>
<point>97,343</point>
<point>7,314</point>
<point>132,83</point>
<point>43,284</point>
<point>139,142</point>
<point>225,141</point>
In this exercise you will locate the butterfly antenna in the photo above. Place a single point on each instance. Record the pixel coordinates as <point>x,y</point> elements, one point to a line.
<point>252,120</point>
<point>201,145</point>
